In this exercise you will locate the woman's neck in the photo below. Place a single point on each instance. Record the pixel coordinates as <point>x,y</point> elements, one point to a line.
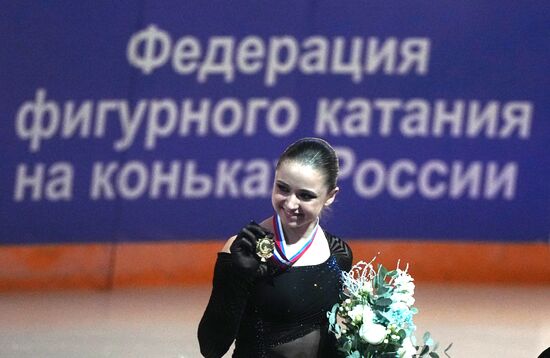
<point>293,235</point>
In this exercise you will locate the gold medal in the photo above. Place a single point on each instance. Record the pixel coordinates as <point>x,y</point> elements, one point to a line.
<point>264,248</point>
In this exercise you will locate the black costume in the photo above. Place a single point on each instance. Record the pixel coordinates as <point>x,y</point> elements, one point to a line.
<point>282,314</point>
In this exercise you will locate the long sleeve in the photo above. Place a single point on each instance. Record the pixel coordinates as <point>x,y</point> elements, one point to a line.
<point>220,322</point>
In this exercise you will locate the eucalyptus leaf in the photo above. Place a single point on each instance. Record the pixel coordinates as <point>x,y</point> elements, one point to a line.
<point>429,342</point>
<point>347,346</point>
<point>428,339</point>
<point>383,302</point>
<point>332,315</point>
<point>376,283</point>
<point>402,334</point>
<point>424,350</point>
<point>426,336</point>
<point>383,317</point>
<point>382,271</point>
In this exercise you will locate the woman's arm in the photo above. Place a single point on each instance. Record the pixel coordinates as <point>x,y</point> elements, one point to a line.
<point>236,268</point>
<point>220,322</point>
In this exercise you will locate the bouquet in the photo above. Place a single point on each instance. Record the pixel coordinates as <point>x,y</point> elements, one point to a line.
<point>375,317</point>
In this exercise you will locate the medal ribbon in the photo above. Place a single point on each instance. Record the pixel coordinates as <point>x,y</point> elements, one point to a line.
<point>280,243</point>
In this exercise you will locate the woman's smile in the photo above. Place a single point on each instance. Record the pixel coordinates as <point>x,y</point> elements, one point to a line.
<point>291,215</point>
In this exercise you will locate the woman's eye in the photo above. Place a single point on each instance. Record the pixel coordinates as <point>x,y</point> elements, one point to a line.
<point>282,188</point>
<point>306,197</point>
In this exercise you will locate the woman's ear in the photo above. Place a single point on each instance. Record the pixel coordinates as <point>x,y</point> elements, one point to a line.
<point>331,196</point>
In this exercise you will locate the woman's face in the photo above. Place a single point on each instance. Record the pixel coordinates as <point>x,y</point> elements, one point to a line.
<point>299,194</point>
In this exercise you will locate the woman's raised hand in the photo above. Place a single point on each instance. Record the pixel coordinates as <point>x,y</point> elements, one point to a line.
<point>243,248</point>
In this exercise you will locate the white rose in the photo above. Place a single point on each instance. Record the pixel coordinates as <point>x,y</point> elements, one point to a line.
<point>356,314</point>
<point>407,350</point>
<point>373,333</point>
<point>368,314</point>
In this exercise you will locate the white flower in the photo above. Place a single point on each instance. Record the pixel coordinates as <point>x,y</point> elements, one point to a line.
<point>406,287</point>
<point>399,306</point>
<point>366,287</point>
<point>407,350</point>
<point>368,314</point>
<point>404,282</point>
<point>356,314</point>
<point>373,333</point>
<point>406,298</point>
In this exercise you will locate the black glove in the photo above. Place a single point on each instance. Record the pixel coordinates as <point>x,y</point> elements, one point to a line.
<point>243,249</point>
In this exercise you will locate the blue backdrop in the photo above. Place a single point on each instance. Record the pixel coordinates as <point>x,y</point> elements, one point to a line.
<point>136,120</point>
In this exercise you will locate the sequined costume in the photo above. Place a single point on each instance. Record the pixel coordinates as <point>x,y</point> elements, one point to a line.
<point>279,315</point>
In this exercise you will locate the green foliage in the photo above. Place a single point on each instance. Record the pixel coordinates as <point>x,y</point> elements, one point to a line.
<point>429,348</point>
<point>382,291</point>
<point>383,302</point>
<point>402,334</point>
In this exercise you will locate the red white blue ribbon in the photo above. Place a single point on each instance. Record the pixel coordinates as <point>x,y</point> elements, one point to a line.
<point>281,247</point>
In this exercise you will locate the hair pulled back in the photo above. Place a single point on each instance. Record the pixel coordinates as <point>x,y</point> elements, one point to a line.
<point>316,153</point>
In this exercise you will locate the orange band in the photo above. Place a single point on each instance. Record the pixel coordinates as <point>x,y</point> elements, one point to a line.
<point>106,266</point>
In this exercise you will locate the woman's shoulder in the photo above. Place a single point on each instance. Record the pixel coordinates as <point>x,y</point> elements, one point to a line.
<point>336,243</point>
<point>340,250</point>
<point>228,243</point>
<point>267,224</point>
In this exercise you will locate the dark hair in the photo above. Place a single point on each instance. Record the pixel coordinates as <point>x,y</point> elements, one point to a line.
<point>318,154</point>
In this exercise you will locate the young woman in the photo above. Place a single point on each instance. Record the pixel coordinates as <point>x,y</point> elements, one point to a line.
<point>275,281</point>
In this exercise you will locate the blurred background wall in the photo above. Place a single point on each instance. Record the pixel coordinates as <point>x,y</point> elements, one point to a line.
<point>137,136</point>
